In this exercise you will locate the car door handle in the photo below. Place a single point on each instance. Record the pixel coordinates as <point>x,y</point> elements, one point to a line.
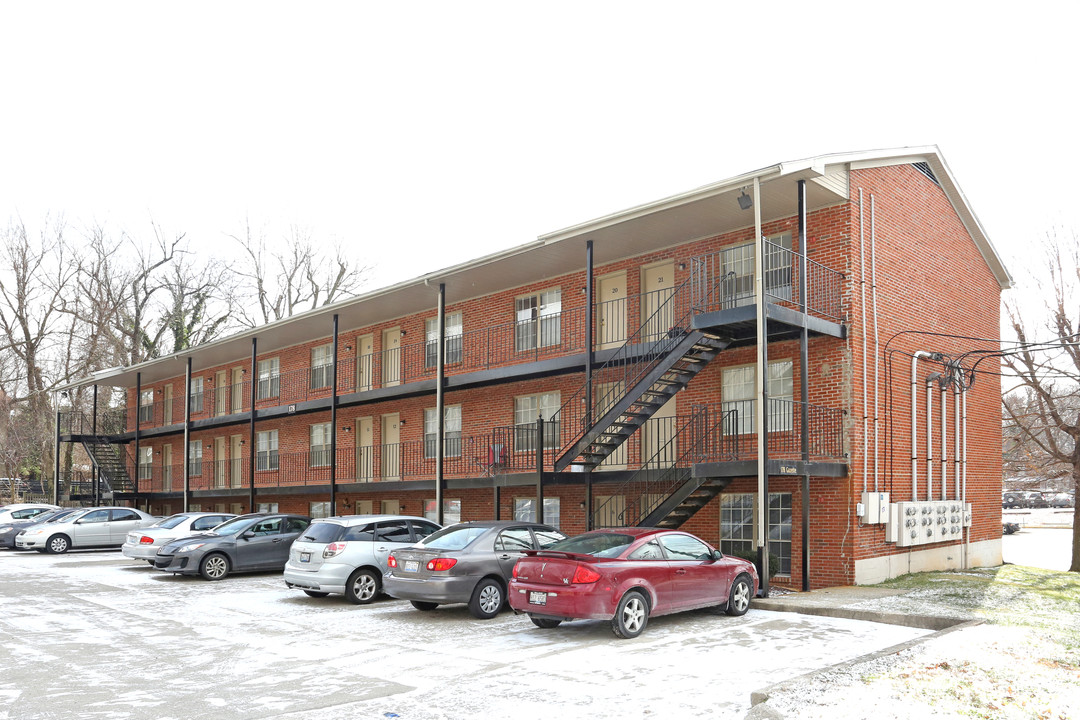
<point>276,540</point>
<point>680,571</point>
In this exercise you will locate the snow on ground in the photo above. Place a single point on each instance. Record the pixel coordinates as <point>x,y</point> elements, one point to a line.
<point>95,636</point>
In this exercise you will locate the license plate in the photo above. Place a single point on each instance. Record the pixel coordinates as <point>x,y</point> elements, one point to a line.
<point>537,598</point>
<point>305,557</point>
<point>412,566</point>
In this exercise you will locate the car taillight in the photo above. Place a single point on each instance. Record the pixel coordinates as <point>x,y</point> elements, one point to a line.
<point>392,561</point>
<point>146,540</point>
<point>585,575</point>
<point>333,549</point>
<point>513,573</point>
<point>439,564</point>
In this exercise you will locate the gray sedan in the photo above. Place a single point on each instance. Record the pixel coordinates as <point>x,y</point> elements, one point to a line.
<point>99,527</point>
<point>251,542</point>
<point>466,563</point>
<point>143,544</point>
<point>9,530</point>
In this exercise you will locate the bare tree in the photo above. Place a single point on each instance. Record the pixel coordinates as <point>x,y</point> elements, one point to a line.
<point>1044,409</point>
<point>300,277</point>
<point>198,306</point>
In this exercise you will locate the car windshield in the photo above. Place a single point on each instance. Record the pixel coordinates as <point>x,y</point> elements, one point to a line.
<point>453,538</point>
<point>60,515</point>
<point>234,526</point>
<point>322,532</point>
<point>47,516</point>
<point>598,544</point>
<point>170,522</point>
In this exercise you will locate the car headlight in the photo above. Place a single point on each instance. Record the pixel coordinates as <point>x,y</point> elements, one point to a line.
<point>189,548</point>
<point>6,530</point>
<point>32,532</point>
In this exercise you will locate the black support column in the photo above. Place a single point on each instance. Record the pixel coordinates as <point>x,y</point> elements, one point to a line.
<point>440,402</point>
<point>138,399</point>
<point>187,436</point>
<point>804,381</point>
<point>590,340</point>
<point>333,422</point>
<point>251,425</point>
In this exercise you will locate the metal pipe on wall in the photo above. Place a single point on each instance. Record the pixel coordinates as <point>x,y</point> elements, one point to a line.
<point>877,356</point>
<point>914,423</point>
<point>862,334</point>
<point>943,389</point>
<point>963,480</point>
<point>956,438</point>
<point>929,438</point>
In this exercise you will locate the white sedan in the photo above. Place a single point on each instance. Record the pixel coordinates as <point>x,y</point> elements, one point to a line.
<point>143,544</point>
<point>99,527</point>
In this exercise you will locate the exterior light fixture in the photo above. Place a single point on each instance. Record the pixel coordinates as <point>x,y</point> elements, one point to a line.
<point>745,201</point>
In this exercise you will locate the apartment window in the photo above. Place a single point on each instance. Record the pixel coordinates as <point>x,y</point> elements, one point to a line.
<point>525,510</point>
<point>195,507</point>
<point>319,509</point>
<point>738,396</point>
<point>737,271</point>
<point>527,409</point>
<point>738,518</point>
<point>266,507</point>
<point>453,340</point>
<point>320,445</point>
<point>389,507</point>
<point>196,394</point>
<point>269,379</point>
<point>195,458</point>
<point>537,320</point>
<point>365,507</point>
<point>146,406</point>
<point>451,511</point>
<point>451,431</point>
<point>146,462</point>
<point>266,450</point>
<point>322,362</point>
<point>236,508</point>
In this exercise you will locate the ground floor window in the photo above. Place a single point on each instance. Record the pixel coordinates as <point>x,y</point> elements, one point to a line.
<point>266,507</point>
<point>319,509</point>
<point>451,511</point>
<point>525,510</point>
<point>738,520</point>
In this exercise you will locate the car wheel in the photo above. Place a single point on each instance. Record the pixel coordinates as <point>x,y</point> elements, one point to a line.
<point>545,623</point>
<point>631,616</point>
<point>214,567</point>
<point>362,587</point>
<point>315,593</point>
<point>57,545</point>
<point>739,600</point>
<point>151,563</point>
<point>425,606</point>
<point>486,600</point>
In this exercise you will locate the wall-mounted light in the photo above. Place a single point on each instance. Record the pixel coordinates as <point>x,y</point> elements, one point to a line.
<point>348,348</point>
<point>582,505</point>
<point>682,266</point>
<point>348,429</point>
<point>402,333</point>
<point>584,290</point>
<point>745,201</point>
<point>243,441</point>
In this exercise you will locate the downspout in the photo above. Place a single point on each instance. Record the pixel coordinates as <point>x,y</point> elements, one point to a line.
<point>877,355</point>
<point>440,401</point>
<point>956,438</point>
<point>914,423</point>
<point>944,389</point>
<point>862,333</point>
<point>963,475</point>
<point>930,437</point>
<point>762,397</point>
<point>333,421</point>
<point>589,345</point>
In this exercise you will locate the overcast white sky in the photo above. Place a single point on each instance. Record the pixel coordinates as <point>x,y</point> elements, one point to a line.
<point>423,134</point>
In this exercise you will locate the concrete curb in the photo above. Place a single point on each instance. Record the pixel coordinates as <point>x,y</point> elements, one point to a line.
<point>759,707</point>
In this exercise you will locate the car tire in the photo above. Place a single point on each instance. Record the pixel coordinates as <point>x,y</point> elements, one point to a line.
<point>151,563</point>
<point>739,599</point>
<point>425,606</point>
<point>315,593</point>
<point>545,623</point>
<point>362,587</point>
<point>214,566</point>
<point>631,616</point>
<point>57,545</point>
<point>487,599</point>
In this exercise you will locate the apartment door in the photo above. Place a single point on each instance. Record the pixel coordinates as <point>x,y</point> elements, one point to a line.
<point>609,511</point>
<point>390,455</point>
<point>391,357</point>
<point>236,391</point>
<point>657,448</point>
<point>221,393</point>
<point>365,357</point>
<point>166,468</point>
<point>657,314</point>
<point>611,310</point>
<point>221,463</point>
<point>365,449</point>
<point>236,461</point>
<point>168,403</point>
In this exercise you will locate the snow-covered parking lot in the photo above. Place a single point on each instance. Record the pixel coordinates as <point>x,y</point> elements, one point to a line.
<point>94,635</point>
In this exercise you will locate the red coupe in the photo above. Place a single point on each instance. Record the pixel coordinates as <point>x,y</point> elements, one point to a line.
<point>627,575</point>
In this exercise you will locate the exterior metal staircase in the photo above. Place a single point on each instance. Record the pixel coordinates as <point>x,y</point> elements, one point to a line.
<point>110,462</point>
<point>627,412</point>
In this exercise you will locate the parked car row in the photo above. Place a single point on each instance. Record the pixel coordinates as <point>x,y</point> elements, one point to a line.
<point>1033,499</point>
<point>624,576</point>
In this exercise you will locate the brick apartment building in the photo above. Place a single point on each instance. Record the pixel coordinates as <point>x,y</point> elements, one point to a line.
<point>879,453</point>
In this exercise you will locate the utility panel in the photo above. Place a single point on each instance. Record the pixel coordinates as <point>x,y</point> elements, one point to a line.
<point>875,508</point>
<point>926,522</point>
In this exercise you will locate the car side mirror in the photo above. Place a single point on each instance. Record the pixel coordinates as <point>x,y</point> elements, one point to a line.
<point>248,534</point>
<point>717,555</point>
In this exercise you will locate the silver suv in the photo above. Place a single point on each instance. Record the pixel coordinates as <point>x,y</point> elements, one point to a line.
<point>347,555</point>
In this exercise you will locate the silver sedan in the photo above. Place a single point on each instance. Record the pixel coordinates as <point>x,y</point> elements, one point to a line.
<point>143,544</point>
<point>98,527</point>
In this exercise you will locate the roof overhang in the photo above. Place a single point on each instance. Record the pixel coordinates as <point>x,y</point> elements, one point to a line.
<point>704,212</point>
